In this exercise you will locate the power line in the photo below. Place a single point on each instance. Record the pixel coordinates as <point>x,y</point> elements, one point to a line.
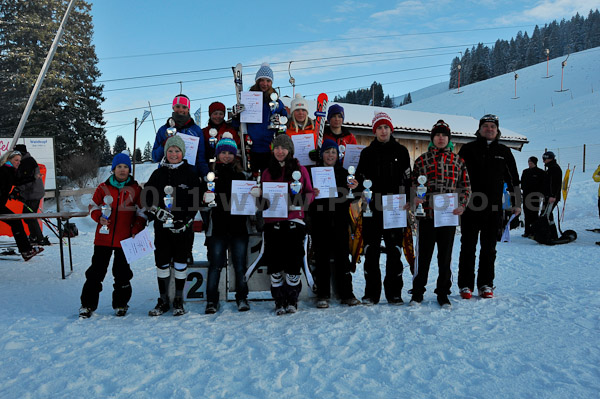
<point>287,62</point>
<point>311,41</point>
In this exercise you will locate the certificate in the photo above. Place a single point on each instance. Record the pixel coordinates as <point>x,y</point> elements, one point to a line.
<point>443,205</point>
<point>191,147</point>
<point>242,203</point>
<point>323,178</point>
<point>394,216</point>
<point>253,104</point>
<point>303,144</point>
<point>352,155</point>
<point>138,247</point>
<point>277,194</point>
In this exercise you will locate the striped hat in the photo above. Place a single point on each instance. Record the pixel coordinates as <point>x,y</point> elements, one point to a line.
<point>226,144</point>
<point>182,99</point>
<point>381,118</point>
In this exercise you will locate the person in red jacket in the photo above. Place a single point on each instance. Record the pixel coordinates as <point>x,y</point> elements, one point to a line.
<point>125,221</point>
<point>216,114</point>
<point>335,131</point>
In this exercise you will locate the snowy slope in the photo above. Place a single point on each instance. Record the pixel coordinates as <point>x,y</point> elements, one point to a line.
<point>539,338</point>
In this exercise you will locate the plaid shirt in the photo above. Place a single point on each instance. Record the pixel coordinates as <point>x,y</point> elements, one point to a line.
<point>446,172</point>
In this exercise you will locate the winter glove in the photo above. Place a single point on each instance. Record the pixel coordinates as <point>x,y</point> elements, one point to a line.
<point>238,109</point>
<point>15,194</point>
<point>313,155</point>
<point>156,213</point>
<point>179,226</point>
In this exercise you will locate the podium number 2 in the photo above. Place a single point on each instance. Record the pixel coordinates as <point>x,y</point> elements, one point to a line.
<point>194,289</point>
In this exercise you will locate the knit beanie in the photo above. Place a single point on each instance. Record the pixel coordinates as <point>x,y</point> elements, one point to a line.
<point>226,144</point>
<point>380,119</point>
<point>22,148</point>
<point>264,71</point>
<point>284,141</point>
<point>175,141</point>
<point>216,106</point>
<point>298,103</point>
<point>334,110</point>
<point>534,160</point>
<point>183,100</point>
<point>327,144</point>
<point>441,127</point>
<point>120,158</point>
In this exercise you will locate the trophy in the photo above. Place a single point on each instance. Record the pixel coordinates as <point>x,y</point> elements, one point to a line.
<point>295,186</point>
<point>168,199</point>
<point>421,191</point>
<point>211,187</point>
<point>212,141</point>
<point>351,170</point>
<point>274,117</point>
<point>171,131</point>
<point>368,194</point>
<point>342,152</point>
<point>282,124</point>
<point>106,211</point>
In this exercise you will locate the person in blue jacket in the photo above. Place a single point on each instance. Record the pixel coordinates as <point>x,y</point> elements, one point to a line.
<point>183,122</point>
<point>261,136</point>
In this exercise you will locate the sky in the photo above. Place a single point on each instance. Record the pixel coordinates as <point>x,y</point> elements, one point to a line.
<point>334,47</point>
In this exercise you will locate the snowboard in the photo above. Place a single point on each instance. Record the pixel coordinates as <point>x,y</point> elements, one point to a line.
<point>320,118</point>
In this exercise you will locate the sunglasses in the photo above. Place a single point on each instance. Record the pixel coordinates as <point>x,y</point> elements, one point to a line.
<point>489,118</point>
<point>15,152</point>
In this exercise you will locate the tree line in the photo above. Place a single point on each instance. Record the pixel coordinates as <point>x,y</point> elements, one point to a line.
<point>560,38</point>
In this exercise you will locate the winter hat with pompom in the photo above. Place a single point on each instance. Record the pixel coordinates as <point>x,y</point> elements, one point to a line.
<point>381,118</point>
<point>120,158</point>
<point>226,144</point>
<point>264,71</point>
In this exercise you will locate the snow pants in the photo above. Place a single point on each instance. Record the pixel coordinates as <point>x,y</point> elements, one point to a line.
<point>329,245</point>
<point>429,236</point>
<point>479,226</point>
<point>95,274</point>
<point>372,233</point>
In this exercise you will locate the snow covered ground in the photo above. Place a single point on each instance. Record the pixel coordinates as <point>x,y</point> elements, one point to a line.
<point>538,338</point>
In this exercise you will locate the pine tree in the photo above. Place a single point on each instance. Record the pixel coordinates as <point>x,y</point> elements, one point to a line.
<point>138,155</point>
<point>68,104</point>
<point>106,157</point>
<point>120,145</point>
<point>147,156</point>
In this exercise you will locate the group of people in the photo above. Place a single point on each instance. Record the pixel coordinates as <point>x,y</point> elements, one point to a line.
<point>476,174</point>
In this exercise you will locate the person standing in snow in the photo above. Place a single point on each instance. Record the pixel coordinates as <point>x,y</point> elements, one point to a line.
<point>216,114</point>
<point>446,172</point>
<point>284,237</point>
<point>532,183</point>
<point>9,163</point>
<point>300,122</point>
<point>184,124</point>
<point>32,192</point>
<point>552,189</point>
<point>173,234</point>
<point>226,231</point>
<point>126,220</point>
<point>335,131</point>
<point>596,177</point>
<point>490,164</point>
<point>387,164</point>
<point>330,219</point>
<point>261,135</point>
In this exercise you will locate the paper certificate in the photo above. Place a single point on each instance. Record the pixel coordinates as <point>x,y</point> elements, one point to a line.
<point>323,178</point>
<point>253,103</point>
<point>138,247</point>
<point>277,194</point>
<point>242,203</point>
<point>303,144</point>
<point>191,147</point>
<point>394,216</point>
<point>352,155</point>
<point>443,205</point>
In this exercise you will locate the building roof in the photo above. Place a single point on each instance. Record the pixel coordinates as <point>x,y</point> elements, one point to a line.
<point>416,122</point>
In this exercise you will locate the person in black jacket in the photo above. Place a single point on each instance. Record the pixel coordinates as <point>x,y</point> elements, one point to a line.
<point>9,163</point>
<point>226,230</point>
<point>490,164</point>
<point>173,244</point>
<point>330,219</point>
<point>32,191</point>
<point>387,164</point>
<point>532,183</point>
<point>552,187</point>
